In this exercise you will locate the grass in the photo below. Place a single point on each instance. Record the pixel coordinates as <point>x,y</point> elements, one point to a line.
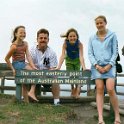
<point>12,112</point>
<point>21,113</point>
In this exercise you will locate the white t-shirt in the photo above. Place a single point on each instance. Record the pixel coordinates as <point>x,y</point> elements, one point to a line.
<point>45,60</point>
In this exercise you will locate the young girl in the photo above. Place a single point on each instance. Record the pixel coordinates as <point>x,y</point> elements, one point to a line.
<point>103,51</point>
<point>72,52</point>
<point>18,51</point>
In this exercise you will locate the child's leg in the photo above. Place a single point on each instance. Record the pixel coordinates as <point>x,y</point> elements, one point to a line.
<point>77,86</point>
<point>77,91</point>
<point>24,93</point>
<point>72,90</point>
<point>113,98</point>
<point>70,67</point>
<point>31,93</point>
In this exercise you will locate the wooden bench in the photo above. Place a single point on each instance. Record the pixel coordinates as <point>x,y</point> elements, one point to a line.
<point>37,77</point>
<point>5,74</point>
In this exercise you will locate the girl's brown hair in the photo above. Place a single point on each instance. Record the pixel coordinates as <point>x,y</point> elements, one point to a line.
<point>103,17</point>
<point>15,31</point>
<point>68,32</point>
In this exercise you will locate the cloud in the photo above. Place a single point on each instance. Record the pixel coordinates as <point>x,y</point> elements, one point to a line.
<point>57,16</point>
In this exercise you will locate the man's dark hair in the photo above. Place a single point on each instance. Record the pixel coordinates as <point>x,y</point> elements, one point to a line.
<point>45,31</point>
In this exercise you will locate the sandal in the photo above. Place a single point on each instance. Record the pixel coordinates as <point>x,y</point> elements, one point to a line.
<point>117,122</point>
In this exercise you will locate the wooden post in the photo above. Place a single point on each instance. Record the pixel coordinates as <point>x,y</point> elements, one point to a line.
<point>18,92</point>
<point>2,84</point>
<point>88,89</point>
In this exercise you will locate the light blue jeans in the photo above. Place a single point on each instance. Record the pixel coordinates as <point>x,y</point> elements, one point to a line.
<point>19,65</point>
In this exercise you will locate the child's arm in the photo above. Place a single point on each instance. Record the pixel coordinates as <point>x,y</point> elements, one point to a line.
<point>81,56</point>
<point>62,57</point>
<point>8,56</point>
<point>28,57</point>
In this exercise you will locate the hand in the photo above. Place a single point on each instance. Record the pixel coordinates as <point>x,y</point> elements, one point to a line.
<point>100,69</point>
<point>84,69</point>
<point>57,68</point>
<point>107,67</point>
<point>35,68</point>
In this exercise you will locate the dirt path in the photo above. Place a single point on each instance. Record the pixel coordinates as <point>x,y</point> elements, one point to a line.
<point>83,114</point>
<point>86,114</point>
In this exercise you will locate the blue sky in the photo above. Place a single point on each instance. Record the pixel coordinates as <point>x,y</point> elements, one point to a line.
<point>58,16</point>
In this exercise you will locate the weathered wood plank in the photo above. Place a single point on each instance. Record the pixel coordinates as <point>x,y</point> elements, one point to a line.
<point>107,107</point>
<point>4,73</point>
<point>4,66</point>
<point>69,99</point>
<point>120,75</point>
<point>120,93</point>
<point>120,84</point>
<point>7,88</point>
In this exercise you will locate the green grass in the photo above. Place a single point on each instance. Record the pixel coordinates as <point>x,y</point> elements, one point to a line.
<point>12,112</point>
<point>20,113</point>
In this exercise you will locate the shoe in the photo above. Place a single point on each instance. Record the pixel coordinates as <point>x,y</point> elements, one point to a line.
<point>57,104</point>
<point>117,122</point>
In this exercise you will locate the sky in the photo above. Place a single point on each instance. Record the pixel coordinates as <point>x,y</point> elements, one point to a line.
<point>58,16</point>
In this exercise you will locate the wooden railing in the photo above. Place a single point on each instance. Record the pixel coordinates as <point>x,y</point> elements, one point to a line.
<point>6,74</point>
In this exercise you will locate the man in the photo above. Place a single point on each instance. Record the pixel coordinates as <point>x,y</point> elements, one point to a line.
<point>45,58</point>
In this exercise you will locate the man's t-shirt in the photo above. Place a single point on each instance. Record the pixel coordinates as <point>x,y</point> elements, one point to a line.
<point>45,60</point>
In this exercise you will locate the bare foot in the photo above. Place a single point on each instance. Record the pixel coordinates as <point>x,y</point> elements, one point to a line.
<point>102,122</point>
<point>73,92</point>
<point>32,96</point>
<point>117,122</point>
<point>77,92</point>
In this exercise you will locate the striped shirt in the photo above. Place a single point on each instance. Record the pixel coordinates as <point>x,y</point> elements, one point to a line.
<point>45,60</point>
<point>19,54</point>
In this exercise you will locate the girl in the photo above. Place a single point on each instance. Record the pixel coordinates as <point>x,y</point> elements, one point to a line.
<point>103,51</point>
<point>18,51</point>
<point>72,52</point>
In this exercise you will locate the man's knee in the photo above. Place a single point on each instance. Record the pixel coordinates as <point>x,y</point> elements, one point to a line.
<point>55,86</point>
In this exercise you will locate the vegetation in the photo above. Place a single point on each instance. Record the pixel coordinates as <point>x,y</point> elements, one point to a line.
<point>21,113</point>
<point>12,112</point>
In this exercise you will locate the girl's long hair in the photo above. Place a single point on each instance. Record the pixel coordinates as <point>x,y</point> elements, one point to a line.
<point>15,31</point>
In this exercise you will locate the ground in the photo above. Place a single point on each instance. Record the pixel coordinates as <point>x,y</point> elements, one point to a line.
<point>86,114</point>
<point>75,113</point>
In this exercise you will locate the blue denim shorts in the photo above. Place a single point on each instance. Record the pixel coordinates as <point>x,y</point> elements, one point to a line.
<point>96,75</point>
<point>18,65</point>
